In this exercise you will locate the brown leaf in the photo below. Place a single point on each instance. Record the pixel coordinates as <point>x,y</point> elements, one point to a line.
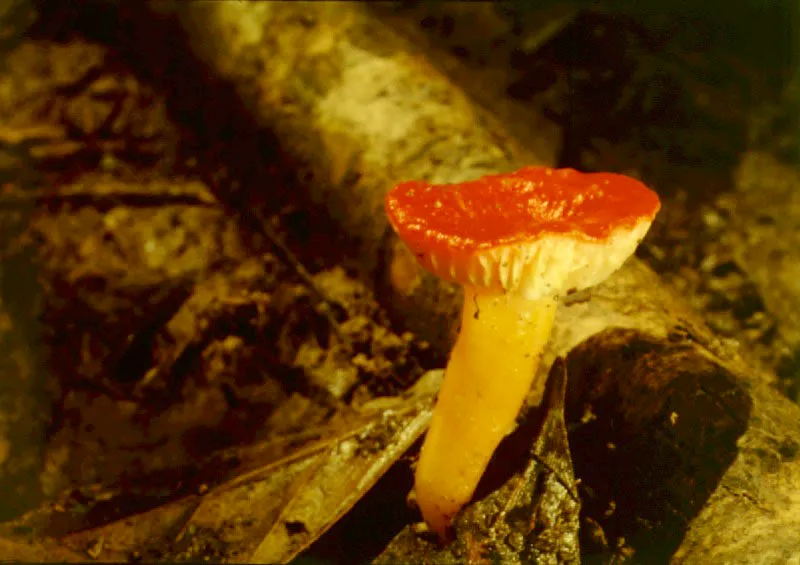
<point>275,511</point>
<point>42,551</point>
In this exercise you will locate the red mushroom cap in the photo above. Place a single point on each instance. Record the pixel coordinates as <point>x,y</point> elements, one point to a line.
<point>538,230</point>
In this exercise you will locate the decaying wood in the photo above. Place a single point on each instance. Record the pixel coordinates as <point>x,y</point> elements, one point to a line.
<point>353,101</point>
<point>766,235</point>
<point>708,451</point>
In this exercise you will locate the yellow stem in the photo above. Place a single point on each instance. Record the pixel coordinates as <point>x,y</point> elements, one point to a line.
<point>488,376</point>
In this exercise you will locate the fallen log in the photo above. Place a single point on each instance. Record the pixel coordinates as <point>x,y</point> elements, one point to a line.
<point>683,451</point>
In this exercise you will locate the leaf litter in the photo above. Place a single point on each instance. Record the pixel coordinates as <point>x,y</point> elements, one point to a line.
<point>205,403</point>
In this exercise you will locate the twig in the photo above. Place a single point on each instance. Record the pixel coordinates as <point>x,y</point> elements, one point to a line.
<point>286,255</point>
<point>21,199</point>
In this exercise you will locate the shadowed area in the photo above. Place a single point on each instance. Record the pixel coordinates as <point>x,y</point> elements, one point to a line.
<point>649,446</point>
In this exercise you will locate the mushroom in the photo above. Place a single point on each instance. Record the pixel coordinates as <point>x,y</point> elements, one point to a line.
<point>515,242</point>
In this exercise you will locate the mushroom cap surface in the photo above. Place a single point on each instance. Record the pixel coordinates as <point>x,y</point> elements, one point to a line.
<point>538,231</point>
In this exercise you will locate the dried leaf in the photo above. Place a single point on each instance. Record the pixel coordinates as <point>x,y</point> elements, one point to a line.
<point>41,551</point>
<point>273,512</point>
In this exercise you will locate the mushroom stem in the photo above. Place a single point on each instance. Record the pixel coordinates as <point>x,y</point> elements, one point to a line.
<point>490,371</point>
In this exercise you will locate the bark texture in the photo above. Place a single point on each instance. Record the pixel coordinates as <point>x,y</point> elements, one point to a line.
<point>684,451</point>
<point>354,102</point>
